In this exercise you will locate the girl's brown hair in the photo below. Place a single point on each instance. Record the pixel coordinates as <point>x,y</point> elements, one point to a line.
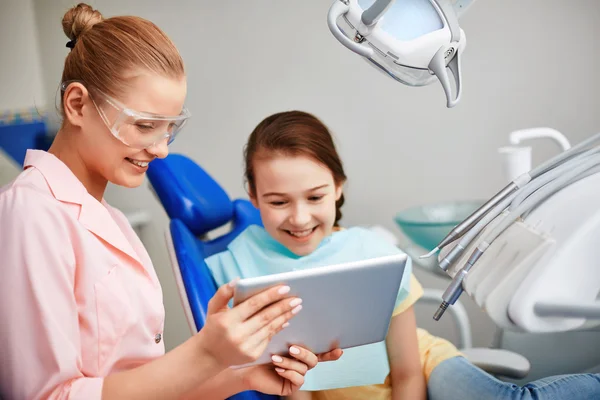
<point>294,133</point>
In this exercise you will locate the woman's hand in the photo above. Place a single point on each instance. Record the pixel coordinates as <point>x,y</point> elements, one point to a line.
<point>286,375</point>
<point>239,335</point>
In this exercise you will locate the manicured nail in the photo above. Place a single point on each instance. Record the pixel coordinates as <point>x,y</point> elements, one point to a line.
<point>285,325</point>
<point>297,310</point>
<point>280,370</point>
<point>295,302</point>
<point>277,359</point>
<point>294,350</point>
<point>283,290</point>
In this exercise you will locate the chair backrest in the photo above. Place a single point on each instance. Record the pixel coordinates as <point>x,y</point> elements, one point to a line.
<point>197,205</point>
<point>189,194</point>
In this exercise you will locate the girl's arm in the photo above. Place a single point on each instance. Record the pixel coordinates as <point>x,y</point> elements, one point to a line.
<point>406,373</point>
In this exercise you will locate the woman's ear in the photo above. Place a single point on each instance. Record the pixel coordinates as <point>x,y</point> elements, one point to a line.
<point>74,100</point>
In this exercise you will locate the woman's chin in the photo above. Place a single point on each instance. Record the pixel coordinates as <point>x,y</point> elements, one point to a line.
<point>128,181</point>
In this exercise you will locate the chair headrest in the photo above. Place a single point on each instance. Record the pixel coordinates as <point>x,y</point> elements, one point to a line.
<point>190,194</point>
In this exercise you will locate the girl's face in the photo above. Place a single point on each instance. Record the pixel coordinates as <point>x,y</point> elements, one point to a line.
<point>296,197</point>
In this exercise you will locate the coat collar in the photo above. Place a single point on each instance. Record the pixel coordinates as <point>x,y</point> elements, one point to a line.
<point>67,188</point>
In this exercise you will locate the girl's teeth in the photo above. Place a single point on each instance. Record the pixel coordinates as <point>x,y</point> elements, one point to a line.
<point>301,233</point>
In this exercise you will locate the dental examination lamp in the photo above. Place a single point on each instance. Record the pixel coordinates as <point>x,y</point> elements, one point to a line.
<point>415,42</point>
<point>530,255</point>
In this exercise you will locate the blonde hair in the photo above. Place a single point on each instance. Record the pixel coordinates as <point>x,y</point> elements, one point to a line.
<point>106,52</point>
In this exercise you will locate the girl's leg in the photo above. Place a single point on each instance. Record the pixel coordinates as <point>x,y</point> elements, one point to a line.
<point>458,379</point>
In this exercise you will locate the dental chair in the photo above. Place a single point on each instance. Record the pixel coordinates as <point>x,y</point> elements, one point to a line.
<point>197,205</point>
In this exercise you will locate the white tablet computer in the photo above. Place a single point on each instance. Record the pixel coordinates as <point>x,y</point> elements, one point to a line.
<point>344,305</point>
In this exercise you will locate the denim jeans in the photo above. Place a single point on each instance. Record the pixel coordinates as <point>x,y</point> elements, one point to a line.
<point>458,379</point>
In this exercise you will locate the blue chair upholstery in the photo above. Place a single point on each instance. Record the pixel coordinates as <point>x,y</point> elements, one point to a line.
<point>17,137</point>
<point>190,194</point>
<point>196,205</point>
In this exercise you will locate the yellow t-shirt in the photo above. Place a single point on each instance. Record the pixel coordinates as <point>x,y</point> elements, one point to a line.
<point>433,350</point>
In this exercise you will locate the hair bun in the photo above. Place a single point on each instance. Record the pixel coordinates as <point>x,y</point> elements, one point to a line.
<point>79,19</point>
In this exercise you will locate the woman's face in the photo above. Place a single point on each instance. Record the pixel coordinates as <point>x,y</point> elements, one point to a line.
<point>108,158</point>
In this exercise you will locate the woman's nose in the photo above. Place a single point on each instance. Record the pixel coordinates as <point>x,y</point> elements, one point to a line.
<point>159,149</point>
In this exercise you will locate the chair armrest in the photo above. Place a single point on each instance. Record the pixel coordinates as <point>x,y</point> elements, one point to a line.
<point>499,362</point>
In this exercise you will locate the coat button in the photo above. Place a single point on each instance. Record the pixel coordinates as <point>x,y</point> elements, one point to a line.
<point>158,338</point>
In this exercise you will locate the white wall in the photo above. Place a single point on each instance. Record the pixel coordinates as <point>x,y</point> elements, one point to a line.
<point>20,68</point>
<point>528,63</point>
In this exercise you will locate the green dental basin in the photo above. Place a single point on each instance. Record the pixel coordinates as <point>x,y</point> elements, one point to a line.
<point>427,225</point>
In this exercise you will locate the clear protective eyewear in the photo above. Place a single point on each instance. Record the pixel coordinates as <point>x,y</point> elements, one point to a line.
<point>136,129</point>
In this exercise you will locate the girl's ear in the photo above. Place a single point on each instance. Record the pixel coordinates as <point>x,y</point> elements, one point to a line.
<point>253,199</point>
<point>338,192</point>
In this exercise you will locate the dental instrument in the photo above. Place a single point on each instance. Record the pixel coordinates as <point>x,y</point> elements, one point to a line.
<point>552,179</point>
<point>471,220</point>
<point>512,201</point>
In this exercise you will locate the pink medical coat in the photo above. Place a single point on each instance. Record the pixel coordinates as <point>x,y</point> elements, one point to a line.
<point>79,297</point>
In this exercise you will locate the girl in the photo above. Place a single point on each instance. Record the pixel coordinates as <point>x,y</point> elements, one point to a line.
<point>80,303</point>
<point>295,178</point>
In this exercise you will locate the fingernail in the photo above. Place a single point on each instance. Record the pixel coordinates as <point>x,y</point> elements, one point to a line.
<point>285,325</point>
<point>234,282</point>
<point>280,370</point>
<point>277,359</point>
<point>294,350</point>
<point>296,310</point>
<point>295,302</point>
<point>283,290</point>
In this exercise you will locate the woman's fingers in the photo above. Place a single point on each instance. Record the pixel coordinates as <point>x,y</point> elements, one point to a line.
<point>267,297</point>
<point>289,364</point>
<point>260,340</point>
<point>294,377</point>
<point>272,315</point>
<point>221,297</point>
<point>332,355</point>
<point>303,355</point>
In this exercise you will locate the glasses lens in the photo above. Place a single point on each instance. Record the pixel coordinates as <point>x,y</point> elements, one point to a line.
<point>143,133</point>
<point>134,130</point>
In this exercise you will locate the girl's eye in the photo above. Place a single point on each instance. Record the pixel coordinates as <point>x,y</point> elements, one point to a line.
<point>277,203</point>
<point>316,198</point>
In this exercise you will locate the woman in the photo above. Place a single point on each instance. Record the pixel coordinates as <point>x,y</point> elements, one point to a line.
<point>80,303</point>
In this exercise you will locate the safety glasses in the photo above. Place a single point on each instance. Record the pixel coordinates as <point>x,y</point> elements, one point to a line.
<point>139,130</point>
